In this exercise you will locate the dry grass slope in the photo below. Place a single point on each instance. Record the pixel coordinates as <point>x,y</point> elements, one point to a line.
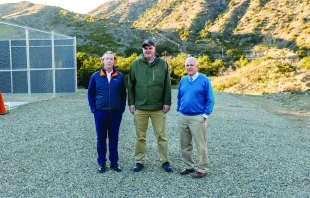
<point>263,77</point>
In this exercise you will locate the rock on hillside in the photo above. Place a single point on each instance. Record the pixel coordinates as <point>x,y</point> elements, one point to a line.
<point>170,15</point>
<point>123,11</point>
<point>282,23</point>
<point>234,24</point>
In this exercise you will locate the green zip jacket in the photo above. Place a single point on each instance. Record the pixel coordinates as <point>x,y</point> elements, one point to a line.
<point>149,86</point>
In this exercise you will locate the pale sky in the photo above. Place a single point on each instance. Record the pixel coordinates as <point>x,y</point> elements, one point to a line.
<point>79,6</point>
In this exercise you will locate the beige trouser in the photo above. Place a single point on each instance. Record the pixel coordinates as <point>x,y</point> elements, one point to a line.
<point>158,118</point>
<point>193,127</point>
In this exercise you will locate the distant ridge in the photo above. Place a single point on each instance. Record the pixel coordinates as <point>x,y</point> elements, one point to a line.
<point>195,26</point>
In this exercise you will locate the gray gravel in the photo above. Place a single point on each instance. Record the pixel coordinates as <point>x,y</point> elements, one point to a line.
<point>48,149</point>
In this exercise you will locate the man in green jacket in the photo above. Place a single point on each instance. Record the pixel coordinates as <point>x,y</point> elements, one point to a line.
<point>149,96</point>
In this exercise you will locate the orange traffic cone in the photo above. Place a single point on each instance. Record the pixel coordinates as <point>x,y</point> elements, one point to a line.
<point>2,107</point>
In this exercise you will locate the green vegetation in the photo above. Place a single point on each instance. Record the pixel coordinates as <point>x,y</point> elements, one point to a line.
<point>265,75</point>
<point>87,65</point>
<point>229,38</point>
<point>286,68</point>
<point>305,63</point>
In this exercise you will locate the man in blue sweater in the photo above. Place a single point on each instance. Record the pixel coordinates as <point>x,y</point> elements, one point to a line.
<point>195,104</point>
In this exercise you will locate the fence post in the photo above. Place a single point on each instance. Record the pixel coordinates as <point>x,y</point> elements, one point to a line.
<point>53,65</point>
<point>28,64</point>
<point>11,65</point>
<point>75,63</point>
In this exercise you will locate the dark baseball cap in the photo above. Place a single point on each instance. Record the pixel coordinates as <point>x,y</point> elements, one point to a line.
<point>148,42</point>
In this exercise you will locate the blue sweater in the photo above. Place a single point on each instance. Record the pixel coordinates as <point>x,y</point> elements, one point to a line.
<point>107,96</point>
<point>195,97</point>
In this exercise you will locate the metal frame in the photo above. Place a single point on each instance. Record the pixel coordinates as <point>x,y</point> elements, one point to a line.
<point>28,68</point>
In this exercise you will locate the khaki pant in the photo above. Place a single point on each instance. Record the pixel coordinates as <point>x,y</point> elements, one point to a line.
<point>193,127</point>
<point>158,118</point>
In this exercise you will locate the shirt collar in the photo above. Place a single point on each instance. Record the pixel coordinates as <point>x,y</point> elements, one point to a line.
<point>109,72</point>
<point>152,60</point>
<point>195,76</point>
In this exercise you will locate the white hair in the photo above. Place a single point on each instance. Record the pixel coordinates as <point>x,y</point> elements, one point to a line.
<point>109,53</point>
<point>192,58</point>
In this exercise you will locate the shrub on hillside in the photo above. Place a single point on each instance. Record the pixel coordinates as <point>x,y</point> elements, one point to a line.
<point>208,68</point>
<point>301,53</point>
<point>217,67</point>
<point>242,62</point>
<point>177,68</point>
<point>286,68</point>
<point>166,49</point>
<point>204,64</point>
<point>88,67</point>
<point>123,64</point>
<point>131,50</point>
<point>224,82</point>
<point>305,63</point>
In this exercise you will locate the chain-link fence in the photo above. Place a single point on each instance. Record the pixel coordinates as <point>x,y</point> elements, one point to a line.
<point>35,64</point>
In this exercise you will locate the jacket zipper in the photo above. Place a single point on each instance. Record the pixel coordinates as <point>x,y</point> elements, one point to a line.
<point>153,74</point>
<point>109,94</point>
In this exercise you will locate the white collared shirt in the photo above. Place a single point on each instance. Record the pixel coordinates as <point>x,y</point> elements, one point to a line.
<point>194,76</point>
<point>109,75</point>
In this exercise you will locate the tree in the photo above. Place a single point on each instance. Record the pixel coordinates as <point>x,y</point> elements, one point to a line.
<point>217,67</point>
<point>184,35</point>
<point>204,63</point>
<point>242,62</point>
<point>177,67</point>
<point>131,50</point>
<point>80,57</point>
<point>88,67</point>
<point>123,64</point>
<point>230,53</point>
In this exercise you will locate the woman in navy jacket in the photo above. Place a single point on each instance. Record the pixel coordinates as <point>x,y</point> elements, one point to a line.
<point>107,101</point>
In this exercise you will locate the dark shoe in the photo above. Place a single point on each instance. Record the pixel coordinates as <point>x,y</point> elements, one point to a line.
<point>198,175</point>
<point>138,167</point>
<point>166,166</point>
<point>116,167</point>
<point>101,168</point>
<point>186,171</point>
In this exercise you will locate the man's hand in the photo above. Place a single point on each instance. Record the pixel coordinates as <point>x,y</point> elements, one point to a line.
<point>166,108</point>
<point>132,109</point>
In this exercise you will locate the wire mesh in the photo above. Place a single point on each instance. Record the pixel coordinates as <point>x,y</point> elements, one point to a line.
<point>35,64</point>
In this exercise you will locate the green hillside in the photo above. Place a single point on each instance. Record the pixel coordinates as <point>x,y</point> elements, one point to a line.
<point>228,36</point>
<point>122,11</point>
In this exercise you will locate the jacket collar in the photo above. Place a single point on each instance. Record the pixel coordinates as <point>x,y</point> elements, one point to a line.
<point>146,61</point>
<point>103,72</point>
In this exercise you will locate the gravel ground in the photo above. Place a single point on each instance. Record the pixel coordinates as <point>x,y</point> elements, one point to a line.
<point>48,150</point>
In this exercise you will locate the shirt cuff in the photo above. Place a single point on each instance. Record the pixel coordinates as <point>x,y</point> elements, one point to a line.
<point>205,116</point>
